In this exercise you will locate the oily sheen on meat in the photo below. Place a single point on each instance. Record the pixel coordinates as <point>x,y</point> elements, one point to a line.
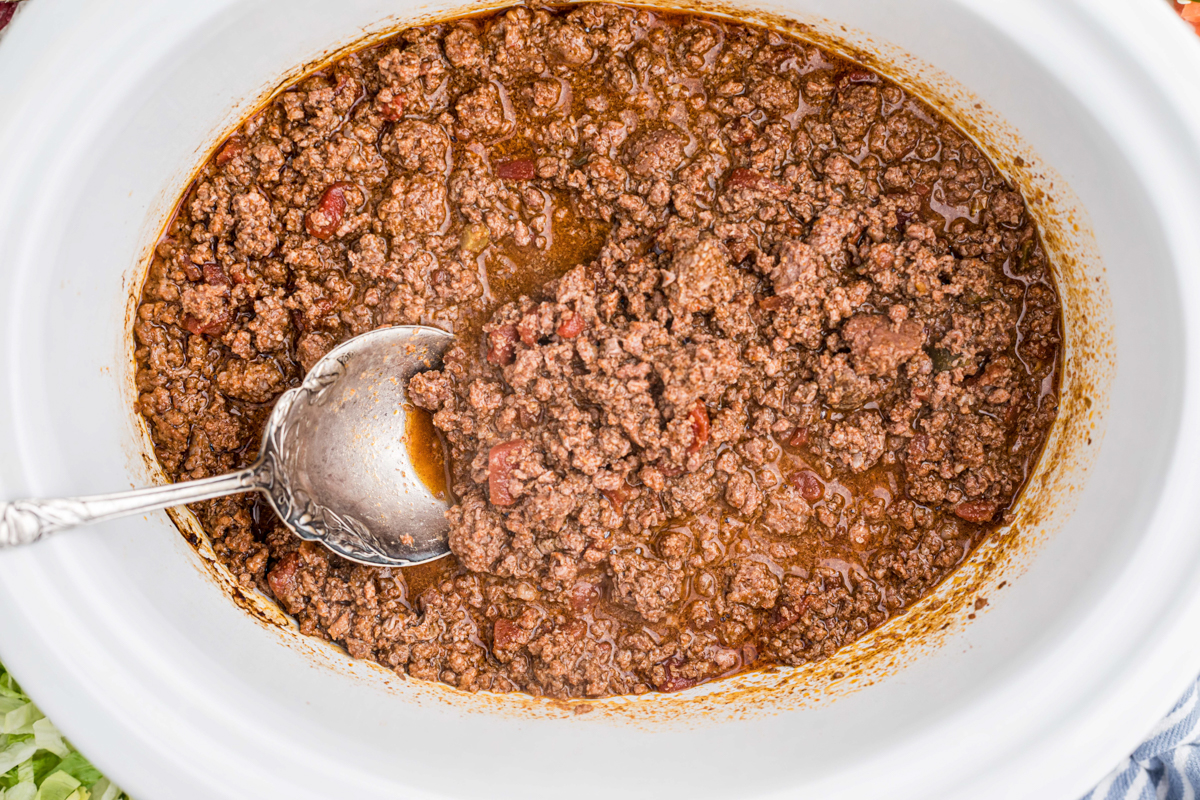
<point>753,349</point>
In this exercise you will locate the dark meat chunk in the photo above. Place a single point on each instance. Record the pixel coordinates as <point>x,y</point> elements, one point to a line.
<point>879,345</point>
<point>754,585</point>
<point>253,381</point>
<point>798,270</point>
<point>703,278</point>
<point>481,112</point>
<point>476,538</point>
<point>507,464</point>
<point>645,584</point>
<point>417,146</point>
<point>570,44</point>
<point>206,309</point>
<point>657,153</point>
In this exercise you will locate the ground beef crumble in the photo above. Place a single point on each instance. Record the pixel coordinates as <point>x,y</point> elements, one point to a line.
<point>753,347</point>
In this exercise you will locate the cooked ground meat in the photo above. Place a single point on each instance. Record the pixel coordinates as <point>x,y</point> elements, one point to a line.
<point>753,346</point>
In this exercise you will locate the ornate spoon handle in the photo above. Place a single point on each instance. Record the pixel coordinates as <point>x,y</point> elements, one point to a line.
<point>26,521</point>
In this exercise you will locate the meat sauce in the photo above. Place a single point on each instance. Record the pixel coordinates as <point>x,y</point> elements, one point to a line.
<point>753,347</point>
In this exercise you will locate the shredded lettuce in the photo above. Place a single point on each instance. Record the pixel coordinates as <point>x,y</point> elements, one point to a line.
<point>59,786</point>
<point>47,737</point>
<point>36,762</point>
<point>20,720</point>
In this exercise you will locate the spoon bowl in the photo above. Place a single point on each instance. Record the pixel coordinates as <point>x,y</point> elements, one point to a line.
<point>336,461</point>
<point>337,450</point>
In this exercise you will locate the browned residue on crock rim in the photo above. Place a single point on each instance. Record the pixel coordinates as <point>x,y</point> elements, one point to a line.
<point>1046,502</point>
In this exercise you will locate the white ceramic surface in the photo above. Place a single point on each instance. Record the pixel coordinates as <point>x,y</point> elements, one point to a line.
<point>125,639</point>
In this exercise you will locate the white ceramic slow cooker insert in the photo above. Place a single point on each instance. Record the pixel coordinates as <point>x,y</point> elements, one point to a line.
<point>128,639</point>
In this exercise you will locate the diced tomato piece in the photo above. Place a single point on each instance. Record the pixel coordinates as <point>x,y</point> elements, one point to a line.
<point>1010,414</point>
<point>571,326</point>
<point>501,463</point>
<point>192,325</point>
<point>699,415</point>
<point>282,577</point>
<point>215,274</point>
<point>237,274</point>
<point>810,486</point>
<point>672,681</point>
<point>774,302</point>
<point>917,450</point>
<point>233,148</point>
<point>527,419</point>
<point>786,615</point>
<point>502,345</point>
<point>977,511</point>
<point>323,306</point>
<point>521,169</point>
<point>584,596</point>
<point>742,178</point>
<point>505,633</point>
<point>213,327</point>
<point>617,496</point>
<point>859,76</point>
<point>324,220</point>
<point>344,80</point>
<point>799,437</point>
<point>393,108</point>
<point>669,471</point>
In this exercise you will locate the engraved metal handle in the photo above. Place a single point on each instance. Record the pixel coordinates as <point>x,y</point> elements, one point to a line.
<point>26,521</point>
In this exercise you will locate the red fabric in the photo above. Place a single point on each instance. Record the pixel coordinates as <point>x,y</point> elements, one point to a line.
<point>7,9</point>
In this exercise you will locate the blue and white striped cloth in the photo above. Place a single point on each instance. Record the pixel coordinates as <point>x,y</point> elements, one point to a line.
<point>1167,765</point>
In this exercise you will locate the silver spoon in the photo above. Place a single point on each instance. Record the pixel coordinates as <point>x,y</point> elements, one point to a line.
<point>334,462</point>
